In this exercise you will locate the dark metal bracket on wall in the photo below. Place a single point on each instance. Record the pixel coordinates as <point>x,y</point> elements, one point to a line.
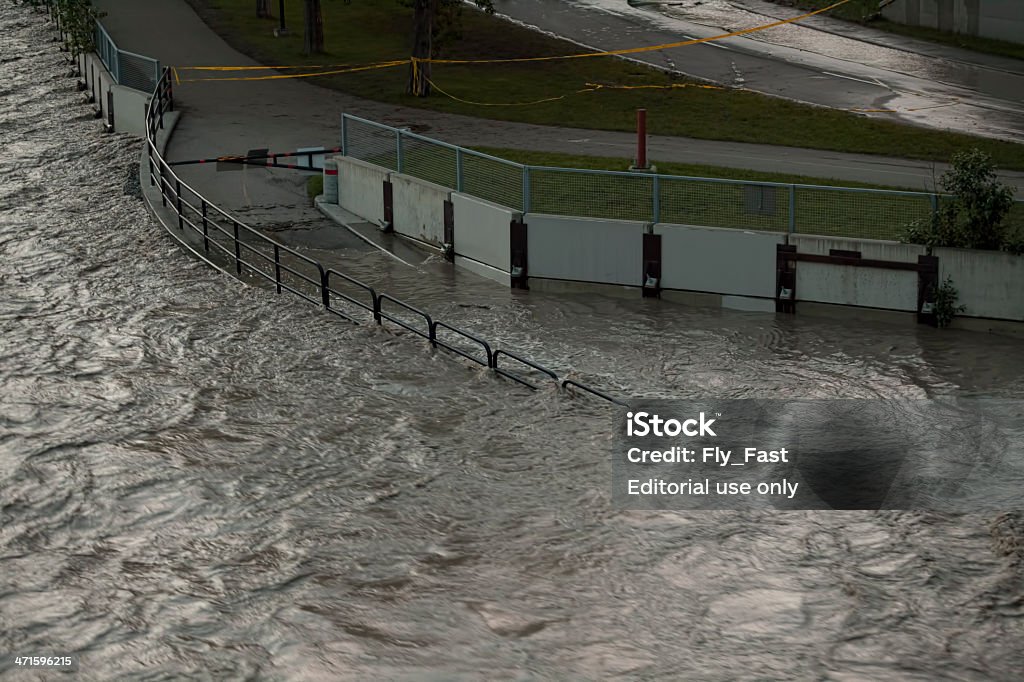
<point>785,278</point>
<point>927,287</point>
<point>926,267</point>
<point>518,266</point>
<point>109,125</point>
<point>650,286</point>
<point>448,246</point>
<point>389,207</point>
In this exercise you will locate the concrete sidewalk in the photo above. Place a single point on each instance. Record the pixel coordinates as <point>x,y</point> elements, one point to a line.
<point>281,115</point>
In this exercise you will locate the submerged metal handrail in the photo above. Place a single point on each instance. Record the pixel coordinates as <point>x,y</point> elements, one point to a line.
<point>253,252</point>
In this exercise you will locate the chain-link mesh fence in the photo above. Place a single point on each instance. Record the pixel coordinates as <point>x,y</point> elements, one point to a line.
<point>371,142</point>
<point>126,68</point>
<point>870,214</point>
<point>722,203</point>
<point>492,179</point>
<point>136,71</point>
<point>709,202</point>
<point>591,194</point>
<point>428,160</point>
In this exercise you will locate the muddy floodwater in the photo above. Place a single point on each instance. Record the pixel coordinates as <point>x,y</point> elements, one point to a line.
<point>200,479</point>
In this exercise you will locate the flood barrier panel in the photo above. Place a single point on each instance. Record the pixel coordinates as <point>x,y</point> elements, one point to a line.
<point>361,188</point>
<point>585,249</point>
<point>418,208</point>
<point>718,260</point>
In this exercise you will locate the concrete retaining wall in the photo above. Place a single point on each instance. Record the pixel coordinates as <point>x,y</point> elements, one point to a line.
<point>991,283</point>
<point>419,208</point>
<point>721,261</point>
<point>361,188</point>
<point>482,231</point>
<point>857,286</point>
<point>874,249</point>
<point>129,110</point>
<point>585,249</point>
<point>129,104</point>
<point>853,285</point>
<point>1000,19</point>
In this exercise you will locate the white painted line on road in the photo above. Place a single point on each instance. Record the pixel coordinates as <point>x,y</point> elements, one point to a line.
<point>851,78</point>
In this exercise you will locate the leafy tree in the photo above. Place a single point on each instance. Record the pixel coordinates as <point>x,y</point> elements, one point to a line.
<point>975,216</point>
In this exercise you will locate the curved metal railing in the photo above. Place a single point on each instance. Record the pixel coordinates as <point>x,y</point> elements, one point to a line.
<point>253,253</point>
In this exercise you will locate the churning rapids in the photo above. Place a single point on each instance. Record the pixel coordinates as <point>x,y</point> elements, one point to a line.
<point>200,479</point>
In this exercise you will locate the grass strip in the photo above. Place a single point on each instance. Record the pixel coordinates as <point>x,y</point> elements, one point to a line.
<point>562,189</point>
<point>371,31</point>
<point>534,158</point>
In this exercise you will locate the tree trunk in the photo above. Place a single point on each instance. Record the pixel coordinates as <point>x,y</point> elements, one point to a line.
<point>263,9</point>
<point>314,33</point>
<point>422,47</point>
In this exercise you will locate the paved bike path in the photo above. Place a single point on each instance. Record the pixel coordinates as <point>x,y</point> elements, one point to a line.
<point>281,115</point>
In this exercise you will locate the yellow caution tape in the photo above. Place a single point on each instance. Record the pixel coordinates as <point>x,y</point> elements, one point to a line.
<point>261,67</point>
<point>281,76</point>
<point>637,50</point>
<point>414,60</point>
<point>500,104</point>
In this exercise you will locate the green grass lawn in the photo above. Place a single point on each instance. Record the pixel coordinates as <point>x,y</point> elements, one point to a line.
<point>368,31</point>
<point>696,170</point>
<point>866,12</point>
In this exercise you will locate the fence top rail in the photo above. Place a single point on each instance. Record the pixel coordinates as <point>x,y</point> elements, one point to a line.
<point>473,152</point>
<point>104,32</point>
<point>367,121</point>
<point>139,56</point>
<point>641,174</point>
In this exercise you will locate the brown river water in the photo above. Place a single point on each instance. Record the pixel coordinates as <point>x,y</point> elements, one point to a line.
<point>200,479</point>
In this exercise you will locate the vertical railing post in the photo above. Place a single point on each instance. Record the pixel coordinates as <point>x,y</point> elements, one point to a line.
<point>935,206</point>
<point>206,229</point>
<point>656,193</point>
<point>792,209</point>
<point>376,309</point>
<point>398,149</point>
<point>458,169</point>
<point>177,203</point>
<point>238,249</point>
<point>344,135</point>
<point>110,110</point>
<point>325,291</point>
<point>526,189</point>
<point>277,267</point>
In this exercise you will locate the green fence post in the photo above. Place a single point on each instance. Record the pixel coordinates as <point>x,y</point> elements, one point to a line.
<point>792,209</point>
<point>656,194</point>
<point>458,169</point>
<point>526,189</point>
<point>398,141</point>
